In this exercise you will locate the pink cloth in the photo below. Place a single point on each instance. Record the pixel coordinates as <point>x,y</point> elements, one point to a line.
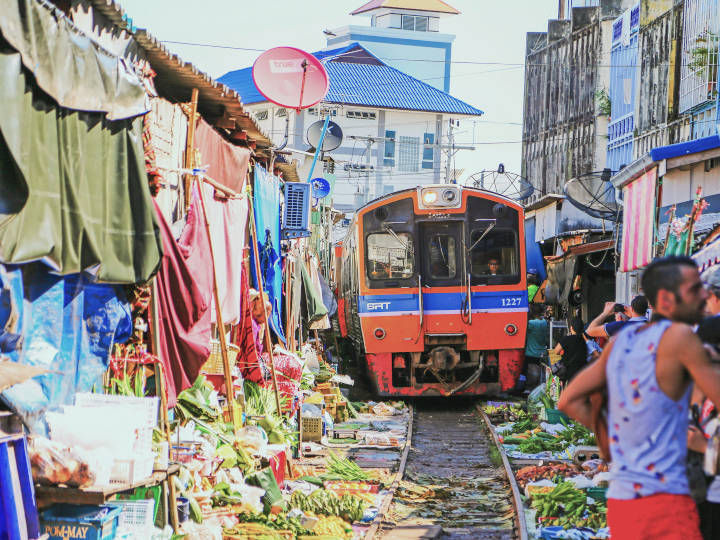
<point>227,163</point>
<point>228,227</point>
<point>184,293</point>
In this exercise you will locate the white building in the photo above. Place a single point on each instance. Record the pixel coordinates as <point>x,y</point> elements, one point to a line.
<point>397,129</point>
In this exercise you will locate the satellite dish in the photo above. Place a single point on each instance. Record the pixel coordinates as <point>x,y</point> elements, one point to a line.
<point>290,77</point>
<point>333,135</point>
<point>320,187</point>
<point>594,194</point>
<point>508,184</point>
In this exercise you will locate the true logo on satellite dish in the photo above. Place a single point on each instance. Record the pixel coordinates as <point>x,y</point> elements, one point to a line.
<point>286,66</point>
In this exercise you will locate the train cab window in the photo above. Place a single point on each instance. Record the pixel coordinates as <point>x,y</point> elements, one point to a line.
<point>390,256</point>
<point>494,257</point>
<point>442,256</point>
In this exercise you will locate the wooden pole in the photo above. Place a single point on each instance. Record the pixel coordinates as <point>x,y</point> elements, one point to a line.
<point>258,275</point>
<point>229,389</point>
<point>190,145</point>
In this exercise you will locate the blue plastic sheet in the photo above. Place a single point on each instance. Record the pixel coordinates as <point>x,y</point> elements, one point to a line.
<point>69,325</point>
<point>533,253</point>
<point>267,221</point>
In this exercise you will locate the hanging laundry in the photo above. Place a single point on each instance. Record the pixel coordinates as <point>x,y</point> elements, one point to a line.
<point>228,227</point>
<point>225,162</point>
<point>69,325</point>
<point>316,310</point>
<point>323,322</point>
<point>246,336</point>
<point>267,219</point>
<point>184,301</point>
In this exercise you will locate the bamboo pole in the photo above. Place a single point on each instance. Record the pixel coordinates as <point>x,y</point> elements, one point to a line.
<point>190,145</point>
<point>268,339</point>
<point>229,389</point>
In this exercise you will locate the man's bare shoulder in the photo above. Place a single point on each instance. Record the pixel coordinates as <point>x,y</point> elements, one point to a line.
<point>678,340</point>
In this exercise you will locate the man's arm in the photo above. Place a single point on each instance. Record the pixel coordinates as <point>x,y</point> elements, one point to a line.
<point>575,400</point>
<point>596,328</point>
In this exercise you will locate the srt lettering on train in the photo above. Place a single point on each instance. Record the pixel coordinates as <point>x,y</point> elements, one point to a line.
<point>378,306</point>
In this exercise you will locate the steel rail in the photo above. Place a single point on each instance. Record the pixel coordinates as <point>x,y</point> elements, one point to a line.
<point>517,500</point>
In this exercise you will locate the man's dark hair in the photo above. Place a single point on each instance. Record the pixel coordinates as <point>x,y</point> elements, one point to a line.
<point>537,310</point>
<point>618,308</point>
<point>664,273</point>
<point>639,304</point>
<point>577,325</point>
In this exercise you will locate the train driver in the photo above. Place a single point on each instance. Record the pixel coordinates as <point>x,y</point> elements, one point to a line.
<point>494,266</point>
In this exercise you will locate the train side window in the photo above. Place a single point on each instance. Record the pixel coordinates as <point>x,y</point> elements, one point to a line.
<point>390,256</point>
<point>495,254</point>
<point>442,256</point>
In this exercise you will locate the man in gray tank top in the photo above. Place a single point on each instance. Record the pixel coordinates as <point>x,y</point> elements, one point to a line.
<point>647,370</point>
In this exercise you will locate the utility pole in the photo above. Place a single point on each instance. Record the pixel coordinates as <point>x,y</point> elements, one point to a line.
<point>450,150</point>
<point>369,142</point>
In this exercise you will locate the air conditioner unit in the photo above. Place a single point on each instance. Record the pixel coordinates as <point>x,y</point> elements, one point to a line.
<point>296,217</point>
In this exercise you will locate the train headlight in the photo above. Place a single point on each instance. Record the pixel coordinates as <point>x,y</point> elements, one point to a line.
<point>439,197</point>
<point>430,197</point>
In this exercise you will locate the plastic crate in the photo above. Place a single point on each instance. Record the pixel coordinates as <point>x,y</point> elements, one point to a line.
<point>311,428</point>
<point>129,471</point>
<point>144,409</point>
<point>598,493</point>
<point>137,518</point>
<point>66,521</point>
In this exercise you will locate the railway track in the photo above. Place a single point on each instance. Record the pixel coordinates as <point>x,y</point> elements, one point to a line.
<point>457,483</point>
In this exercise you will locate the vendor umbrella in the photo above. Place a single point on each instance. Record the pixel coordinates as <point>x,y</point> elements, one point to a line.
<point>12,373</point>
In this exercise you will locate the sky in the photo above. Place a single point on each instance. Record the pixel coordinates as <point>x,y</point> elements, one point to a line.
<point>487,31</point>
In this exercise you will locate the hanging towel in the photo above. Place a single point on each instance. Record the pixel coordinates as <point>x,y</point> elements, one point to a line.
<point>250,345</point>
<point>228,227</point>
<point>316,310</point>
<point>323,322</point>
<point>226,163</point>
<point>267,220</point>
<point>184,298</point>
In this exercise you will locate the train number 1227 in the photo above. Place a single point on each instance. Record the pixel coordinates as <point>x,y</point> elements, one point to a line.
<point>510,302</point>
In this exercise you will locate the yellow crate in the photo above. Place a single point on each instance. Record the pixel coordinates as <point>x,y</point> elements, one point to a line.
<point>311,428</point>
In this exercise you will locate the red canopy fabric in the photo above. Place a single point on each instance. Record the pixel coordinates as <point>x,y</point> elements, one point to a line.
<point>184,299</point>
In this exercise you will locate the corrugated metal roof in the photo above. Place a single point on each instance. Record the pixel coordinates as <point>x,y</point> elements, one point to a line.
<point>357,77</point>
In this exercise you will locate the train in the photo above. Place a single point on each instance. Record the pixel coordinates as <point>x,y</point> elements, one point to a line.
<point>432,291</point>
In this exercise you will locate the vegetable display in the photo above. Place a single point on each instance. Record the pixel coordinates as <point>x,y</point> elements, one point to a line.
<point>344,468</point>
<point>322,501</point>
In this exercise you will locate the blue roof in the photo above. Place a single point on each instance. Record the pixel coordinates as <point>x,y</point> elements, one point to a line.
<point>685,148</point>
<point>357,77</point>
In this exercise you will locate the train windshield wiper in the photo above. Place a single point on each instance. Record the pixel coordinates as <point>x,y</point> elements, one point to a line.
<point>399,240</point>
<point>483,235</point>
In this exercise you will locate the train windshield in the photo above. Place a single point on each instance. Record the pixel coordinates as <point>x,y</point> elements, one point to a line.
<point>390,256</point>
<point>442,256</point>
<point>494,255</point>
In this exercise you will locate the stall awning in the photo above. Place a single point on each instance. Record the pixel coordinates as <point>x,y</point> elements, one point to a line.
<point>638,221</point>
<point>72,68</point>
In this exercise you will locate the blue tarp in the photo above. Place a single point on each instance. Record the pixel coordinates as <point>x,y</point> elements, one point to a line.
<point>685,148</point>
<point>69,325</point>
<point>267,220</point>
<point>533,254</point>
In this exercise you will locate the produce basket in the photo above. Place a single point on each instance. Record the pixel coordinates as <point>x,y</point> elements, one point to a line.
<point>311,428</point>
<point>554,416</point>
<point>214,364</point>
<point>136,518</point>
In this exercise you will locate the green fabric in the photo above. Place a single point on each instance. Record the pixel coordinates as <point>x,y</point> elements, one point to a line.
<point>678,246</point>
<point>74,191</point>
<point>315,307</point>
<point>265,479</point>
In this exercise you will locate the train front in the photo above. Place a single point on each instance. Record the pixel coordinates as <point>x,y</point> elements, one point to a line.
<point>441,291</point>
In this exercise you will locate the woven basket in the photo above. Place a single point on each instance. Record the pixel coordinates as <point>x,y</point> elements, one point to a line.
<point>214,364</point>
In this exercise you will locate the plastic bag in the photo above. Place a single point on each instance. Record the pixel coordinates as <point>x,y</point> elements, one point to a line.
<point>53,463</point>
<point>265,479</point>
<point>535,404</point>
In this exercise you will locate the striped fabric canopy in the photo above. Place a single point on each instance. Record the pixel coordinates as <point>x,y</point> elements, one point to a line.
<point>638,221</point>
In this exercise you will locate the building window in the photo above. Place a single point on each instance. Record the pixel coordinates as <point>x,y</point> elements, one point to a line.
<point>281,112</point>
<point>389,156</point>
<point>361,115</point>
<point>261,115</point>
<point>312,111</point>
<point>409,159</point>
<point>428,155</point>
<point>417,23</point>
<point>698,72</point>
